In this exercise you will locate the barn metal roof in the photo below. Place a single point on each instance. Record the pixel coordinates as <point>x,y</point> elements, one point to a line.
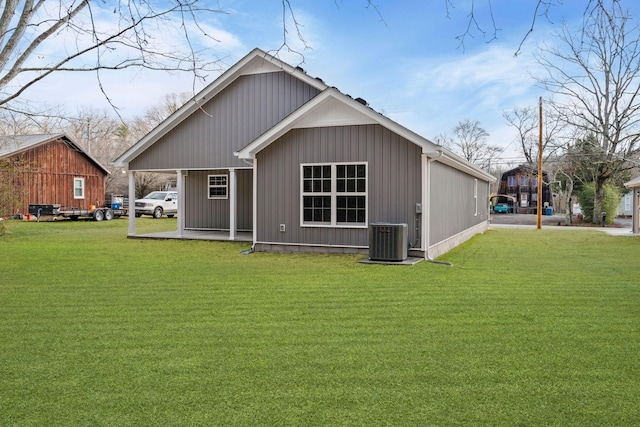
<point>14,144</point>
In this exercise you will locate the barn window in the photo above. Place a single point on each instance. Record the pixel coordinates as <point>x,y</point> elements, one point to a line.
<point>218,186</point>
<point>78,188</point>
<point>334,194</point>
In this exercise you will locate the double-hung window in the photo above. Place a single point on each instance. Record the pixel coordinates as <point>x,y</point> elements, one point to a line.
<point>334,194</point>
<point>218,187</point>
<point>78,188</point>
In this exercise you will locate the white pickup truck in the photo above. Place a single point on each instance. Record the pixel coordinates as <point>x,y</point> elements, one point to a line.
<point>158,203</point>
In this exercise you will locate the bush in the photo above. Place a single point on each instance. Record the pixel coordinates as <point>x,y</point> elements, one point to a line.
<point>609,204</point>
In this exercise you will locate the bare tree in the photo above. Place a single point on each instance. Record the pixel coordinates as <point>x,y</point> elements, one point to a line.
<point>469,140</point>
<point>526,121</point>
<point>594,74</point>
<point>97,37</point>
<point>170,103</point>
<point>481,18</point>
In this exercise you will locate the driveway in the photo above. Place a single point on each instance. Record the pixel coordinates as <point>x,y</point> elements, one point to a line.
<point>620,227</point>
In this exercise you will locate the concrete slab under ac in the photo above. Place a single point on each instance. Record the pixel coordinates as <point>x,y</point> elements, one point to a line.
<point>408,261</point>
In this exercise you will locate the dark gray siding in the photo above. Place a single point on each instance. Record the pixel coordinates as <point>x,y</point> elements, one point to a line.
<point>453,205</point>
<point>204,213</point>
<point>231,120</point>
<point>394,173</point>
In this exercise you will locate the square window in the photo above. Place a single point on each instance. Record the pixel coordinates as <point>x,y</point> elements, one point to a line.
<point>218,186</point>
<point>334,194</point>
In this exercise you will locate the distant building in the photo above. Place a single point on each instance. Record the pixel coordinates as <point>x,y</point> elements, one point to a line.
<point>48,169</point>
<point>521,185</point>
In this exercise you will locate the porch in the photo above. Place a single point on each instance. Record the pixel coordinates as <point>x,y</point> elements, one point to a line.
<point>240,236</point>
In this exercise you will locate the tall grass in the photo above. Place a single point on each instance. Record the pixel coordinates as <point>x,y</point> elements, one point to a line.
<point>528,327</point>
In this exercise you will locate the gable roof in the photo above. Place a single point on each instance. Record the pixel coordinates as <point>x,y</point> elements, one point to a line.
<point>256,62</point>
<point>333,108</point>
<point>15,144</point>
<point>330,108</point>
<point>634,183</point>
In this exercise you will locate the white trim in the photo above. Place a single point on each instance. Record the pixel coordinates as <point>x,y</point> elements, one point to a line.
<point>324,110</point>
<point>475,195</point>
<point>132,203</point>
<point>257,61</point>
<point>255,200</point>
<point>334,194</point>
<point>225,186</point>
<point>231,192</point>
<point>330,99</point>
<point>81,188</point>
<point>180,180</point>
<point>425,200</point>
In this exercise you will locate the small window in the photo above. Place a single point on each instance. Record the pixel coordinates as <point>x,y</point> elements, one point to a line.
<point>524,180</point>
<point>475,195</point>
<point>218,186</point>
<point>511,181</point>
<point>334,194</point>
<point>78,188</point>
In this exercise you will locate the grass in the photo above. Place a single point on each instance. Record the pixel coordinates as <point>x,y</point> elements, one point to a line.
<point>528,327</point>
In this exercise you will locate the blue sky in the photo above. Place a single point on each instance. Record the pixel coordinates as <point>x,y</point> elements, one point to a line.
<point>403,58</point>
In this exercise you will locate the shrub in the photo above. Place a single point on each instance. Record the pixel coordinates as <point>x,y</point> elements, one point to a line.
<point>609,204</point>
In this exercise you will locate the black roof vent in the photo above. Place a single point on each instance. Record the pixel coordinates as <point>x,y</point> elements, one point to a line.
<point>362,101</point>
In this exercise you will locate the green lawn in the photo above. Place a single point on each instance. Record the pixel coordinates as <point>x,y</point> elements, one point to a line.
<point>528,327</point>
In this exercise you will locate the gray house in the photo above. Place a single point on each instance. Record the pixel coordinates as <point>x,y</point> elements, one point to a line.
<point>270,152</point>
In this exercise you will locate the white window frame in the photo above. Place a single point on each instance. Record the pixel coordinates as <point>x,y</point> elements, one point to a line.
<point>79,180</point>
<point>334,194</point>
<point>475,195</point>
<point>225,186</point>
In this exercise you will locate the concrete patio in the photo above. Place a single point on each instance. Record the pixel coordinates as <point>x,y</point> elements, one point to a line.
<point>241,236</point>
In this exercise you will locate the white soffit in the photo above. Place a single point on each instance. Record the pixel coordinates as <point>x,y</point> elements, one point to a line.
<point>332,112</point>
<point>258,65</point>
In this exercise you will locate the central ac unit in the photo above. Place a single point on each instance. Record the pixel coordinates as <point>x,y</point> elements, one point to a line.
<point>388,242</point>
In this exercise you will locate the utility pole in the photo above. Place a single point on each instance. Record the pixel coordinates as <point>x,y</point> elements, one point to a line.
<point>539,203</point>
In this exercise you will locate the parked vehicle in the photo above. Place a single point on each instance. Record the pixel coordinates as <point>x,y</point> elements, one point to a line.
<point>158,203</point>
<point>115,206</point>
<point>502,208</point>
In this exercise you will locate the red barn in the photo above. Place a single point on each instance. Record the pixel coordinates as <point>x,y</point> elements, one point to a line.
<point>48,169</point>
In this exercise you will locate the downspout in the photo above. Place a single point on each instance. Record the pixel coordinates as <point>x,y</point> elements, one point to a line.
<point>255,207</point>
<point>254,176</point>
<point>427,159</point>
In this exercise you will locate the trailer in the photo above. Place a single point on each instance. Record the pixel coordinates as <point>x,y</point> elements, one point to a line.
<point>115,206</point>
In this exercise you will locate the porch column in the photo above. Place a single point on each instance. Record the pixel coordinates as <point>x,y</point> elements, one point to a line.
<point>132,203</point>
<point>180,175</point>
<point>232,204</point>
